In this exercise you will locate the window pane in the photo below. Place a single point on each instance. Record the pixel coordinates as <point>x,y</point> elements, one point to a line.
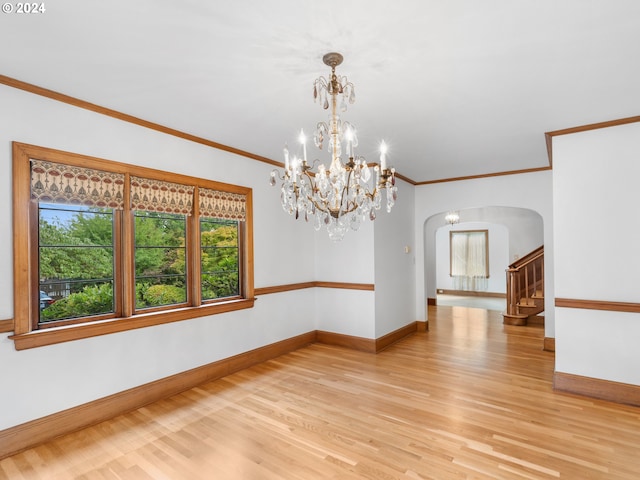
<point>219,258</point>
<point>160,265</point>
<point>76,258</point>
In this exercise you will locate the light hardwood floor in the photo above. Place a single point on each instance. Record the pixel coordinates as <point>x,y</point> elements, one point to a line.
<point>470,399</point>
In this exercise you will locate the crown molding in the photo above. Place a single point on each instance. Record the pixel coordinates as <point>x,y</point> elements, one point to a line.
<point>484,175</point>
<point>583,128</point>
<point>60,97</point>
<point>76,102</point>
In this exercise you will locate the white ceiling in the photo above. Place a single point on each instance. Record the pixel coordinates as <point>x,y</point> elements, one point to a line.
<point>455,87</point>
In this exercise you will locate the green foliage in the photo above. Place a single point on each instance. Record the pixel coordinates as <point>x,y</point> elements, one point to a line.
<point>154,230</point>
<point>221,236</point>
<point>156,295</point>
<point>92,300</point>
<point>219,260</point>
<point>220,286</point>
<point>78,249</point>
<point>95,229</point>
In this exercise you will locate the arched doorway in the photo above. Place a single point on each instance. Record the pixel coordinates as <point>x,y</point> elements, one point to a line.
<point>523,232</point>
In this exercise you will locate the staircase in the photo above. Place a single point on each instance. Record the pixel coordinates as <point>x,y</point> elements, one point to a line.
<point>525,290</point>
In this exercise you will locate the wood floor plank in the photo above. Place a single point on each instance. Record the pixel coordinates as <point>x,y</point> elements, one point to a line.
<point>469,399</point>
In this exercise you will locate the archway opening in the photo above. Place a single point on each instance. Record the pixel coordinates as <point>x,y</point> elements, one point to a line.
<point>512,233</point>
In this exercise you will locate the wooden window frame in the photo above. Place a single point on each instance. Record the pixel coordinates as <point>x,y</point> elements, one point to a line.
<point>25,266</point>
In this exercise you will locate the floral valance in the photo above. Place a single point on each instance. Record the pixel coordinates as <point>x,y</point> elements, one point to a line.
<point>160,196</point>
<point>223,205</point>
<point>57,183</point>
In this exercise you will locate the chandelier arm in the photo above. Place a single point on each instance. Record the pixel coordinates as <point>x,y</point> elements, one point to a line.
<point>334,213</point>
<point>318,206</point>
<point>276,173</point>
<point>350,206</point>
<point>310,172</point>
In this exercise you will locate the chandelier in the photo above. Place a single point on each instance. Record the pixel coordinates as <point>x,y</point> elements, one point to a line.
<point>344,194</point>
<point>452,217</point>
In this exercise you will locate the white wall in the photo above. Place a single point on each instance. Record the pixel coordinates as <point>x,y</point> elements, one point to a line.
<point>344,311</point>
<point>596,236</point>
<point>373,254</point>
<point>349,260</point>
<point>530,191</point>
<point>498,237</point>
<point>44,380</point>
<point>394,267</point>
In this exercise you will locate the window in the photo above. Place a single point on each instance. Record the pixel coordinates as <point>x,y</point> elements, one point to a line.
<point>469,259</point>
<point>219,258</point>
<point>160,259</point>
<point>102,247</point>
<point>76,257</point>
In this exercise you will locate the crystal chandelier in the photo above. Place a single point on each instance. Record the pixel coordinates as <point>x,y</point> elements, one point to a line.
<point>344,194</point>
<point>452,217</point>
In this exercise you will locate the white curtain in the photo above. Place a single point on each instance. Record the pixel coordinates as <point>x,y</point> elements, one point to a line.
<point>469,260</point>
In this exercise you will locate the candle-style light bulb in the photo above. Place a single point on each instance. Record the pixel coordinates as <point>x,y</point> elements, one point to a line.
<point>286,157</point>
<point>383,156</point>
<point>349,136</point>
<point>303,141</point>
<point>294,168</point>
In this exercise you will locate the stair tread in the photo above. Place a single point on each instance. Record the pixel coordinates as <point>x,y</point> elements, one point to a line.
<point>515,315</point>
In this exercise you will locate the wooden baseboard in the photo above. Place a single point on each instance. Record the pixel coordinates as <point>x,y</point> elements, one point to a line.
<point>392,337</point>
<point>30,434</point>
<point>469,293</point>
<point>348,341</point>
<point>594,387</point>
<point>370,345</point>
<point>549,344</point>
<point>432,302</point>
